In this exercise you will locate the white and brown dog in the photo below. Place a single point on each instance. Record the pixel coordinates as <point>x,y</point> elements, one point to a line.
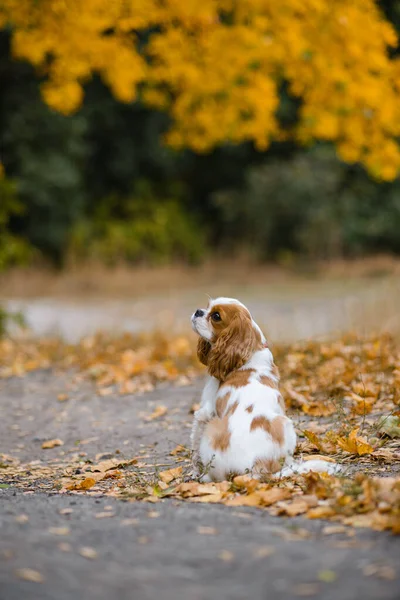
<point>241,425</point>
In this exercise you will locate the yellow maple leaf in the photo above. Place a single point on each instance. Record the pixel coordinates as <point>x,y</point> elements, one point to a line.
<point>86,484</point>
<point>354,444</point>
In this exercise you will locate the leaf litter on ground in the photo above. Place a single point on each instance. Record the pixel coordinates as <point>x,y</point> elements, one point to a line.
<point>344,397</point>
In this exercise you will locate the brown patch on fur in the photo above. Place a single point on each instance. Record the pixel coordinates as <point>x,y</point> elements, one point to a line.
<point>260,422</point>
<point>232,408</point>
<point>275,371</point>
<point>203,350</point>
<point>277,430</point>
<point>281,402</point>
<point>238,378</point>
<point>266,466</point>
<point>221,404</point>
<point>265,380</point>
<point>249,409</point>
<point>218,433</point>
<point>235,340</point>
<point>274,427</point>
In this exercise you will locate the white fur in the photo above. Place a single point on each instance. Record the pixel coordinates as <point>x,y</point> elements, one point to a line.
<point>245,445</point>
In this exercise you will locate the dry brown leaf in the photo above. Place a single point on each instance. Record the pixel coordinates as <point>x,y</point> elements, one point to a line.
<point>59,530</point>
<point>207,499</point>
<point>187,490</point>
<point>170,475</point>
<point>206,530</point>
<point>245,481</point>
<point>313,438</point>
<point>158,412</point>
<point>179,449</point>
<point>334,529</point>
<point>85,484</point>
<point>292,509</point>
<point>29,575</point>
<point>64,547</point>
<point>381,571</point>
<point>88,552</point>
<point>319,409</point>
<point>125,522</point>
<point>22,518</point>
<point>52,444</point>
<point>264,551</point>
<point>306,589</point>
<point>384,454</point>
<point>321,512</point>
<point>273,495</point>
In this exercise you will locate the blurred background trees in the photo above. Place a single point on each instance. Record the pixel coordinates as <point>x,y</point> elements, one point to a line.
<point>158,133</point>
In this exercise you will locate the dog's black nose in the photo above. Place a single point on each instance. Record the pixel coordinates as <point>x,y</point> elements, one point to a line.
<point>199,313</point>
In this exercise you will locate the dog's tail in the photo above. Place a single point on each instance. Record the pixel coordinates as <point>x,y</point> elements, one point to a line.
<point>294,467</point>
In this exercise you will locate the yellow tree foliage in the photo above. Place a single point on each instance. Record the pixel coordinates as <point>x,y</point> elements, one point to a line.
<point>216,66</point>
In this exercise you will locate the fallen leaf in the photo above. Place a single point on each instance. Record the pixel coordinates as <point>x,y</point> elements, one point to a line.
<point>355,444</point>
<point>22,518</point>
<point>30,575</point>
<point>264,551</point>
<point>159,411</point>
<point>126,522</point>
<point>86,484</point>
<point>321,512</point>
<point>64,547</point>
<point>104,515</point>
<point>306,589</point>
<point>179,449</point>
<point>292,509</point>
<point>170,475</point>
<point>273,495</point>
<point>334,529</point>
<point>59,530</point>
<point>381,571</point>
<point>327,576</point>
<point>88,552</point>
<point>206,530</point>
<point>226,556</point>
<point>390,426</point>
<point>52,444</point>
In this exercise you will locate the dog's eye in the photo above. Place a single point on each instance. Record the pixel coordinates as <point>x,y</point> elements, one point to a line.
<point>215,316</point>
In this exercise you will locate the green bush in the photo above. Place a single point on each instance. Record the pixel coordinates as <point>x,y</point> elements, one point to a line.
<point>142,228</point>
<point>7,318</point>
<point>13,249</point>
<point>313,205</point>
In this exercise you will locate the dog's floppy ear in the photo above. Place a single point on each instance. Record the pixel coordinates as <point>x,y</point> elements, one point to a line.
<point>203,350</point>
<point>233,347</point>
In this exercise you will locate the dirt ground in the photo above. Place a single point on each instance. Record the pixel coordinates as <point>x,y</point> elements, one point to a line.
<point>100,547</point>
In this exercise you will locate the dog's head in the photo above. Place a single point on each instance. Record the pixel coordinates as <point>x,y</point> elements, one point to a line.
<point>228,336</point>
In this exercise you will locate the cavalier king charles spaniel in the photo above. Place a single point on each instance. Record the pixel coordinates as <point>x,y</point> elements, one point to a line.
<point>241,426</point>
